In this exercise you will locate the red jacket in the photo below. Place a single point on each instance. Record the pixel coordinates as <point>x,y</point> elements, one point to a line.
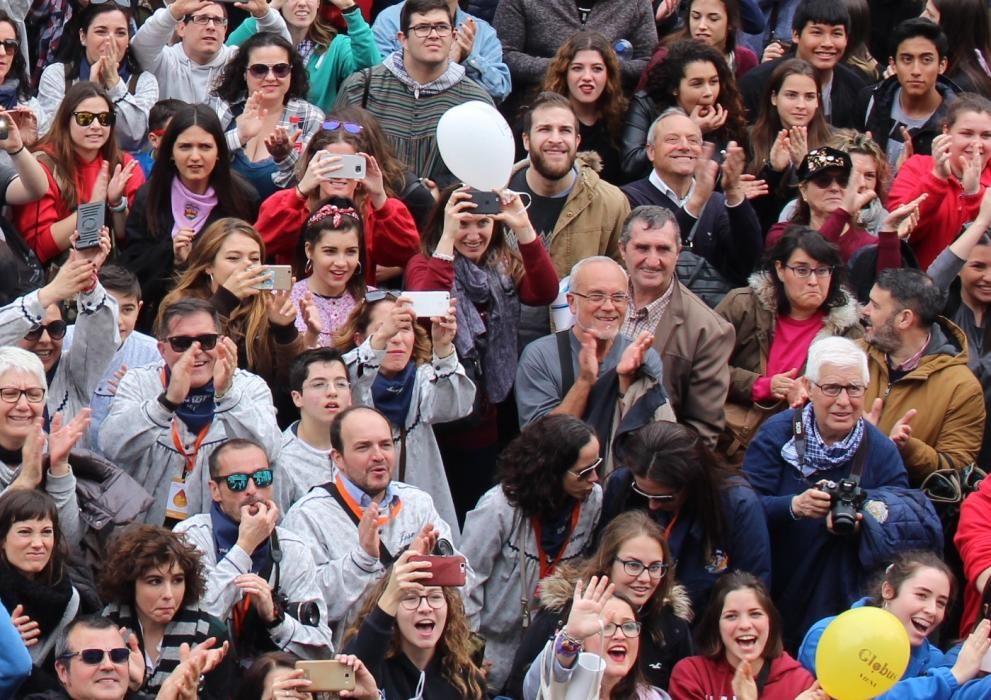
<point>849,243</point>
<point>701,678</point>
<point>391,238</point>
<point>537,287</point>
<point>943,213</point>
<point>35,220</point>
<point>973,541</point>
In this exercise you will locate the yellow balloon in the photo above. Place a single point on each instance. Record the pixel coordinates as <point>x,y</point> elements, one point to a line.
<point>862,654</point>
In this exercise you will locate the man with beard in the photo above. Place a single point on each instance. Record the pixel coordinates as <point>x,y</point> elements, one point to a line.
<point>592,371</point>
<point>921,391</point>
<point>251,564</point>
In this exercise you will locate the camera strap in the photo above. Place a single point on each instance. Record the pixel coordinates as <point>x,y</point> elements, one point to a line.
<point>802,442</point>
<point>276,553</point>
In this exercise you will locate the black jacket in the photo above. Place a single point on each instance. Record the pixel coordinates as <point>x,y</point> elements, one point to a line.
<point>875,101</point>
<point>847,84</point>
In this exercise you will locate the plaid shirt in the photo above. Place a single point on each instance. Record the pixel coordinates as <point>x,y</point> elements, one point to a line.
<point>647,317</point>
<point>297,114</point>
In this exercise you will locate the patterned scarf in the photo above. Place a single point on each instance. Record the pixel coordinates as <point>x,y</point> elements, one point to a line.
<point>190,210</point>
<point>818,455</point>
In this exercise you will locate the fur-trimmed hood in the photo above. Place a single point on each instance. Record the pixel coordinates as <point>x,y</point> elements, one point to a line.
<point>558,590</point>
<point>839,319</point>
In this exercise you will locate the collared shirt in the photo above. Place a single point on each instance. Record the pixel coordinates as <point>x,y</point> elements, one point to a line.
<point>657,182</point>
<point>912,362</point>
<point>647,317</point>
<point>363,499</point>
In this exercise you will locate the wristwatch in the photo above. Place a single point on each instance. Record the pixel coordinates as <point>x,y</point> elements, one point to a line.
<point>168,405</point>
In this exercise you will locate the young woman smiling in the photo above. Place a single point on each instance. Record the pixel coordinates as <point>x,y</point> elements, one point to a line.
<point>15,85</point>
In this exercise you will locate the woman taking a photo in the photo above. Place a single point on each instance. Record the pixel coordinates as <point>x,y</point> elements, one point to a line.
<point>261,100</point>
<point>391,238</point>
<point>274,677</point>
<point>543,513</point>
<point>83,164</point>
<point>330,56</point>
<point>152,582</point>
<point>470,255</point>
<point>633,553</point>
<point>740,649</point>
<point>190,187</point>
<point>695,78</point>
<point>100,53</point>
<point>918,588</point>
<point>586,70</point>
<point>415,639</point>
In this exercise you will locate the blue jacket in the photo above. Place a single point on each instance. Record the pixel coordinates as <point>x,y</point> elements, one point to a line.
<point>746,546</point>
<point>15,661</point>
<point>817,573</point>
<point>928,674</point>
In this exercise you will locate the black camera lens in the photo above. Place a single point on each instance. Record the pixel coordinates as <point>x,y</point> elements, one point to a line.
<point>306,611</point>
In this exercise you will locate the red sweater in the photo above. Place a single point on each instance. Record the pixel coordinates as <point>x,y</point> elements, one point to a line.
<point>35,220</point>
<point>700,678</point>
<point>537,287</point>
<point>391,238</point>
<point>889,252</point>
<point>789,350</point>
<point>943,213</point>
<point>973,541</point>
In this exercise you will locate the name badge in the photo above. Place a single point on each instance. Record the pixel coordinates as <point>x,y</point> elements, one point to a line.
<point>177,505</point>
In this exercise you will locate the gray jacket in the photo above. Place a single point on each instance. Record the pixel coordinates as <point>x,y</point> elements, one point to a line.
<point>298,469</point>
<point>137,434</point>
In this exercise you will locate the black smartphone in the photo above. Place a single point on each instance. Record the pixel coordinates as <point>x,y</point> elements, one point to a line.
<point>485,202</point>
<point>89,221</point>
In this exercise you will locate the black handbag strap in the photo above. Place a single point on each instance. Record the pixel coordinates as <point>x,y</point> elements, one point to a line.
<point>801,445</point>
<point>564,355</point>
<point>331,488</point>
<point>761,679</point>
<point>367,73</point>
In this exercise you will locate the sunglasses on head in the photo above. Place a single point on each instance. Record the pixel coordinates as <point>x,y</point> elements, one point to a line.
<point>94,657</point>
<point>239,482</point>
<point>86,118</point>
<point>56,331</point>
<point>350,127</point>
<point>261,70</point>
<point>182,343</point>
<point>374,295</point>
<point>826,179</point>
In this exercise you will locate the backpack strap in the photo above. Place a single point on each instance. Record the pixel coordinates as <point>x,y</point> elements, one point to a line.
<point>565,356</point>
<point>367,73</point>
<point>331,488</point>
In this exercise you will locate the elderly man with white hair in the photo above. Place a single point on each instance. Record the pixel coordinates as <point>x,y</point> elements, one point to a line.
<point>834,490</point>
<point>592,371</point>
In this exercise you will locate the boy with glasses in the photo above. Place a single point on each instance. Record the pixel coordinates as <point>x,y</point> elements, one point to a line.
<point>185,70</point>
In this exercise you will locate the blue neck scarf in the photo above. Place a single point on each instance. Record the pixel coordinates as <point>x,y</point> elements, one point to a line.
<point>225,537</point>
<point>198,408</point>
<point>393,395</point>
<point>8,93</point>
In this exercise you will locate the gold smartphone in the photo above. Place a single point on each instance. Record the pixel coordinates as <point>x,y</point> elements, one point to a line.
<point>327,675</point>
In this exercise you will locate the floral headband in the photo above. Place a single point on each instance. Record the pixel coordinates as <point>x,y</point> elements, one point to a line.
<point>328,210</point>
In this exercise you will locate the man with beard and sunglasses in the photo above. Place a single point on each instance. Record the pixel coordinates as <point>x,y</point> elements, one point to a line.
<point>167,417</point>
<point>253,567</point>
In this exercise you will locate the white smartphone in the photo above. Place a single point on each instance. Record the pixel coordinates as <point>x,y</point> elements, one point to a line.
<point>279,278</point>
<point>429,304</point>
<point>353,167</point>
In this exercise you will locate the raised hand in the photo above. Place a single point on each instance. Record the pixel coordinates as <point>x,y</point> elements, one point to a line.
<point>941,156</point>
<point>855,196</point>
<point>588,359</point>
<point>252,119</point>
<point>907,152</point>
<point>751,187</point>
<point>260,592</point>
<point>514,215</point>
<point>405,579</point>
<point>709,118</point>
<point>280,143</point>
<point>26,627</point>
<point>281,309</point>
<point>365,687</point>
<point>182,244</point>
<point>773,52</point>
<point>585,618</point>
<point>798,144</point>
<point>13,142</point>
<point>62,438</point>
<point>318,170</point>
<point>374,181</point>
<point>71,279</point>
<point>257,524</point>
<point>135,662</point>
<point>289,683</point>
<point>400,317</point>
<point>782,384</point>
<point>706,171</point>
<point>244,283</point>
<point>182,370</point>
<point>744,685</point>
<point>109,61</point>
<point>226,365</point>
<point>971,168</point>
<point>902,430</point>
<point>780,155</point>
<point>368,531</point>
<point>732,167</point>
<point>632,359</point>
<point>874,415</point>
<point>905,218</point>
<point>117,183</point>
<point>99,192</point>
<point>464,41</point>
<point>113,383</point>
<point>968,661</point>
<point>311,317</point>
<point>458,208</point>
<point>443,329</point>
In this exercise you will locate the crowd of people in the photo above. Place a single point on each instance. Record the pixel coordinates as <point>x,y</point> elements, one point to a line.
<point>711,368</point>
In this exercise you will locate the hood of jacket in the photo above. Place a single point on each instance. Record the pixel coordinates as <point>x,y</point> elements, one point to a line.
<point>838,320</point>
<point>947,348</point>
<point>107,495</point>
<point>558,590</point>
<point>454,74</point>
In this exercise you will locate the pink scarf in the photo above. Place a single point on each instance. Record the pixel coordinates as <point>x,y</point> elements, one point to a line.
<point>190,210</point>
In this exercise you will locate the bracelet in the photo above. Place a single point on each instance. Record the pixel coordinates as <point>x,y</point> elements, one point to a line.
<point>443,256</point>
<point>566,645</point>
<point>120,206</point>
<point>17,151</point>
<point>299,193</point>
<point>166,404</point>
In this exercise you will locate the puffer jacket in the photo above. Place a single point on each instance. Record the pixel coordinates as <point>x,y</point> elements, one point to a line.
<point>949,427</point>
<point>665,639</point>
<point>753,312</point>
<point>901,520</point>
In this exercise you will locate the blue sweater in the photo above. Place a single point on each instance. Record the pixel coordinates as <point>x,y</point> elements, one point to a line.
<point>15,661</point>
<point>927,677</point>
<point>815,573</point>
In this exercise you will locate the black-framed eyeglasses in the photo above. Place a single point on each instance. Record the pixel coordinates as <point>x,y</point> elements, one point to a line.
<point>422,31</point>
<point>239,482</point>
<point>182,343</point>
<point>629,629</point>
<point>86,118</point>
<point>203,20</point>
<point>585,473</point>
<point>350,127</point>
<point>435,600</point>
<point>261,70</point>
<point>826,179</point>
<point>94,657</point>
<point>803,271</point>
<point>635,567</point>
<point>10,45</point>
<point>854,391</point>
<point>653,497</point>
<point>601,297</point>
<point>11,394</point>
<point>56,331</point>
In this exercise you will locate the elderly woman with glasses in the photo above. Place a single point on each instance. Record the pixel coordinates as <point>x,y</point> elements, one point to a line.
<point>712,519</point>
<point>796,298</point>
<point>834,490</point>
<point>542,514</point>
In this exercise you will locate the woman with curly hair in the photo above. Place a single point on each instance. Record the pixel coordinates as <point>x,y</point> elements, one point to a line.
<point>260,98</point>
<point>152,581</point>
<point>586,70</point>
<point>415,639</point>
<point>542,514</point>
<point>695,78</point>
<point>634,553</point>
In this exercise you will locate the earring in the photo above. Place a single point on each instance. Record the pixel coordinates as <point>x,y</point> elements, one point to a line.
<point>309,267</point>
<point>358,269</point>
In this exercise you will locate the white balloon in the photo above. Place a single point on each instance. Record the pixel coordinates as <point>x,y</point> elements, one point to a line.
<point>477,145</point>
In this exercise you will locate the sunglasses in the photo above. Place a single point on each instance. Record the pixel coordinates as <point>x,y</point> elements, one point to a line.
<point>584,473</point>
<point>653,497</point>
<point>86,118</point>
<point>56,331</point>
<point>824,180</point>
<point>374,295</point>
<point>182,343</point>
<point>10,45</point>
<point>94,657</point>
<point>239,482</point>
<point>260,70</point>
<point>350,127</point>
